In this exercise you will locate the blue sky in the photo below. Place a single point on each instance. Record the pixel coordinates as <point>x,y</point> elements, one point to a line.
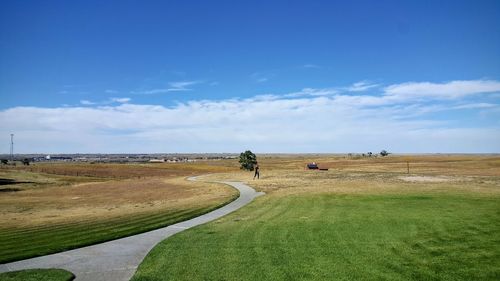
<point>271,76</point>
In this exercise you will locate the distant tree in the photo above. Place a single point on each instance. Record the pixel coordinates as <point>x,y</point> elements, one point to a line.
<point>248,160</point>
<point>370,154</point>
<point>26,161</point>
<point>5,161</point>
<point>384,153</point>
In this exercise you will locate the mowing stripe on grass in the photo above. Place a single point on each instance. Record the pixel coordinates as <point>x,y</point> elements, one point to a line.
<point>32,242</point>
<point>331,237</point>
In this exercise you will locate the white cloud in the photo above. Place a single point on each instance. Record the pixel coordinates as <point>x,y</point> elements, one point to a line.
<point>111,91</point>
<point>448,90</point>
<point>86,102</point>
<point>311,120</point>
<point>182,85</point>
<point>179,86</point>
<point>312,92</point>
<point>120,100</point>
<point>108,101</point>
<point>151,92</point>
<point>475,105</point>
<point>361,86</point>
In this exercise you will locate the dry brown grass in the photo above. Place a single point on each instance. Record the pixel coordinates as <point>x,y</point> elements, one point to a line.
<point>52,198</point>
<point>104,200</point>
<point>132,170</point>
<point>286,175</point>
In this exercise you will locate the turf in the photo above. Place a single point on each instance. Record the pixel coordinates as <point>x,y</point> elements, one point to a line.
<point>16,244</point>
<point>418,236</point>
<point>37,275</point>
<point>44,213</point>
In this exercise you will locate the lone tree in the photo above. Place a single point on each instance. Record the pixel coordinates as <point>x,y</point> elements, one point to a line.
<point>384,153</point>
<point>248,160</point>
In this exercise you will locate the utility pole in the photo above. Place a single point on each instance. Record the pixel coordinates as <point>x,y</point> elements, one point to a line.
<point>11,147</point>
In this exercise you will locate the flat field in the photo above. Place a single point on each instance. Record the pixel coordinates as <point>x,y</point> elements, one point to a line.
<point>48,208</point>
<point>363,219</point>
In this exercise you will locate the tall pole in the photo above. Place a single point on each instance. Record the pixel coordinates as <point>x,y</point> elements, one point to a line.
<point>11,147</point>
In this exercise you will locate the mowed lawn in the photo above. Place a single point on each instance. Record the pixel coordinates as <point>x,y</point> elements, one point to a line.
<point>344,226</point>
<point>339,237</point>
<point>45,213</point>
<point>26,242</point>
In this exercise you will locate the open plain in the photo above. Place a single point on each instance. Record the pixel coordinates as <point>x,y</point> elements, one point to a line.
<point>365,218</point>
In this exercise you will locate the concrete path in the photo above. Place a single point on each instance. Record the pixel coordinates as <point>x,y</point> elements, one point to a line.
<point>118,260</point>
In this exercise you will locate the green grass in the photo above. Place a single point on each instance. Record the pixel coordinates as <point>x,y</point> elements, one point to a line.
<point>21,243</point>
<point>37,275</point>
<point>339,237</point>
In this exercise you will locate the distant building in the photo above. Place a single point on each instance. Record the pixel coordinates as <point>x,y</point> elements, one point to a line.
<point>157,161</point>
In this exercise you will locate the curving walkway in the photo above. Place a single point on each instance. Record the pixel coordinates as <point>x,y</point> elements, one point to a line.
<point>117,260</point>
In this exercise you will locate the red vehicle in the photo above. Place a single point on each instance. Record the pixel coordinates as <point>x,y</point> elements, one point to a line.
<point>314,166</point>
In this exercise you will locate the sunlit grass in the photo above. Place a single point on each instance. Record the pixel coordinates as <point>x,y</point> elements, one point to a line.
<point>339,237</point>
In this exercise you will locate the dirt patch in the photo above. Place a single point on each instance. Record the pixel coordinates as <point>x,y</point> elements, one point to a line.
<point>426,179</point>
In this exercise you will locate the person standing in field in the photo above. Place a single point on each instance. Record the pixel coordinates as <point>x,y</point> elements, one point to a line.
<point>257,173</point>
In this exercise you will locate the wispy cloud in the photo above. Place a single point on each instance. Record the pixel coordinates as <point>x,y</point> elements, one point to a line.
<point>182,85</point>
<point>108,101</point>
<point>310,65</point>
<point>120,100</point>
<point>109,91</point>
<point>311,92</point>
<point>476,105</point>
<point>361,86</point>
<point>150,92</point>
<point>178,86</point>
<point>261,77</point>
<point>447,90</point>
<point>86,102</point>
